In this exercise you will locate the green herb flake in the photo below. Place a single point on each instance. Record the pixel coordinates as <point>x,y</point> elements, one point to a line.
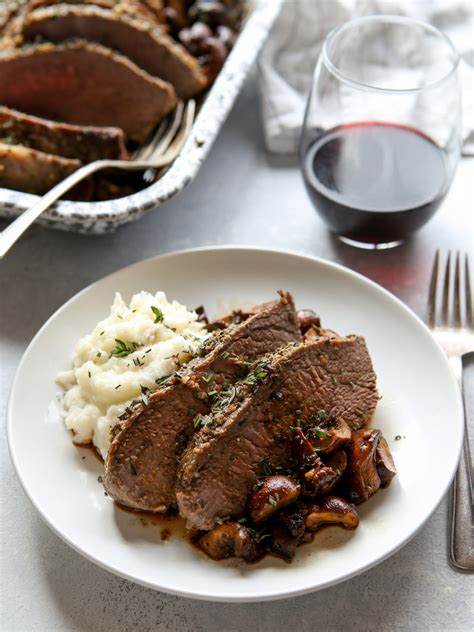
<point>225,355</point>
<point>232,456</point>
<point>273,499</point>
<point>320,434</point>
<point>208,377</point>
<point>123,348</point>
<point>266,467</point>
<point>144,389</point>
<point>159,316</point>
<point>258,535</point>
<point>221,519</point>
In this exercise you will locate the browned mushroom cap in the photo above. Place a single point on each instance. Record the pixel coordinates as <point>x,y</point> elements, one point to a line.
<point>230,539</point>
<point>337,461</point>
<point>330,434</point>
<point>319,480</point>
<point>314,333</point>
<point>362,478</point>
<point>384,462</point>
<point>276,492</point>
<point>287,530</point>
<point>303,450</point>
<point>307,319</point>
<point>331,509</point>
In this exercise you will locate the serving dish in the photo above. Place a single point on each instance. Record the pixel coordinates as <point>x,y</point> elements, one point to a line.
<point>420,415</point>
<point>103,217</point>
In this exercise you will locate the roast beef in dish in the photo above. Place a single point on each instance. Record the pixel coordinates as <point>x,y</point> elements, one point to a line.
<point>69,141</point>
<point>149,10</point>
<point>140,469</point>
<point>295,386</point>
<point>84,83</point>
<point>32,171</point>
<point>147,46</point>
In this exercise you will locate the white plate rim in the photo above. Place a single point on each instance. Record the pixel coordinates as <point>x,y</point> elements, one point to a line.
<point>236,598</point>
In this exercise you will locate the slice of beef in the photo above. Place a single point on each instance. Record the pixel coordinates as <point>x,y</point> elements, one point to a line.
<point>148,47</point>
<point>151,10</point>
<point>70,141</point>
<point>243,441</point>
<point>140,469</point>
<point>86,84</point>
<point>32,171</point>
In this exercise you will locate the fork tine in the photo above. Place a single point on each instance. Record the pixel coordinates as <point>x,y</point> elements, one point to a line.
<point>144,152</point>
<point>164,143</point>
<point>181,131</point>
<point>457,292</point>
<point>432,291</point>
<point>446,284</point>
<point>468,288</point>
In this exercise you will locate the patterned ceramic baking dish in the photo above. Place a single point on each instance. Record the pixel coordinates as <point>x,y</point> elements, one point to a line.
<point>103,217</point>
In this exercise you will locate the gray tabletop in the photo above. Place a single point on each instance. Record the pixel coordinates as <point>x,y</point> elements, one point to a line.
<point>241,196</point>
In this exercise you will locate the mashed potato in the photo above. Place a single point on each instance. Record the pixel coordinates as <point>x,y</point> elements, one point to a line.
<point>122,358</point>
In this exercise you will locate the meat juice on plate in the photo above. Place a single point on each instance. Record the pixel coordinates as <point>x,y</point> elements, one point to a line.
<point>374,181</point>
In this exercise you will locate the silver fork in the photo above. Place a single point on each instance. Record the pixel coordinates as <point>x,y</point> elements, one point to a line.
<point>159,151</point>
<point>452,325</point>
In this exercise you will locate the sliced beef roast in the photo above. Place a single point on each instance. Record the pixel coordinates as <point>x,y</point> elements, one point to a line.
<point>86,84</point>
<point>32,171</point>
<point>140,469</point>
<point>70,141</point>
<point>297,386</point>
<point>149,10</point>
<point>150,48</point>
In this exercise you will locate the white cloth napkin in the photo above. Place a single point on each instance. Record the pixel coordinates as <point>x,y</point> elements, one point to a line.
<point>289,57</point>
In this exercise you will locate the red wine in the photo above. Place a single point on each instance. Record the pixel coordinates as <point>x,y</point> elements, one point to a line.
<point>375,182</point>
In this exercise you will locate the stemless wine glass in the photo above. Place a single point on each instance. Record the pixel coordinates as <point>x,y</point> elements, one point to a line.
<point>382,131</point>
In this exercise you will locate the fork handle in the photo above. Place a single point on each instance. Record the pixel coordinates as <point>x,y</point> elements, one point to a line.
<point>462,546</point>
<point>16,228</point>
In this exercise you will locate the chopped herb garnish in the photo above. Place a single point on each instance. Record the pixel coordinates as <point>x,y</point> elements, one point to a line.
<point>89,374</point>
<point>257,486</point>
<point>201,420</point>
<point>98,354</point>
<point>320,434</point>
<point>266,467</point>
<point>208,377</point>
<point>225,355</point>
<point>124,348</point>
<point>259,535</point>
<point>221,520</point>
<point>398,437</point>
<point>118,386</point>
<point>162,380</point>
<point>232,456</point>
<point>273,499</point>
<point>133,469</point>
<point>298,412</point>
<point>258,374</point>
<point>144,389</point>
<point>240,521</point>
<point>159,317</point>
<point>102,333</point>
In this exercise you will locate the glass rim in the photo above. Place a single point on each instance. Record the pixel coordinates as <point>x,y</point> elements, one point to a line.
<point>392,19</point>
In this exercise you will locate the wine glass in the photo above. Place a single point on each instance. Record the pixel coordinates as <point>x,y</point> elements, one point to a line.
<point>382,131</point>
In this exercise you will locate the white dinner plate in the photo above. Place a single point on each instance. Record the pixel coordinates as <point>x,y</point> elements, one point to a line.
<point>419,414</point>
